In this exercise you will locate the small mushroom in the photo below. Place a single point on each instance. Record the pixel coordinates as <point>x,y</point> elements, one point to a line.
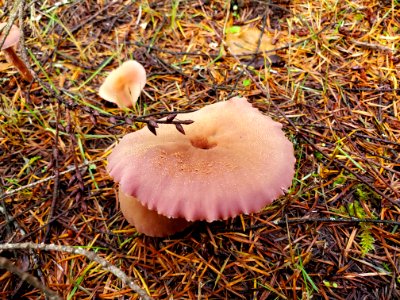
<point>11,41</point>
<point>124,84</point>
<point>232,160</point>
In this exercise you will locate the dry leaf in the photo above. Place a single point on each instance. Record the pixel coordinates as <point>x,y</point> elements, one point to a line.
<point>5,66</point>
<point>244,40</point>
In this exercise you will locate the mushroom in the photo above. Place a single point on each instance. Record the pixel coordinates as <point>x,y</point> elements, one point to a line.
<point>124,84</point>
<point>232,160</point>
<point>10,41</point>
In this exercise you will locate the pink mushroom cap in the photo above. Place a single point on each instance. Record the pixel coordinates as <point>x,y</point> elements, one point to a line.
<point>232,160</point>
<point>124,84</point>
<point>12,38</point>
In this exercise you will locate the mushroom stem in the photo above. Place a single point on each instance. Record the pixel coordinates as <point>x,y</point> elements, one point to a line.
<point>13,59</point>
<point>149,221</point>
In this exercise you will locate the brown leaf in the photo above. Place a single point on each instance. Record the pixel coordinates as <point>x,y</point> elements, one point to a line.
<point>179,127</point>
<point>152,129</point>
<point>153,123</point>
<point>171,117</point>
<point>186,122</point>
<point>246,39</point>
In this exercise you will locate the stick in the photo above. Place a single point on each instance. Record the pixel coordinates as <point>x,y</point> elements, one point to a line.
<point>90,255</point>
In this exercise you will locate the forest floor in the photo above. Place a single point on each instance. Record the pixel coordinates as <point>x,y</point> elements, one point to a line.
<point>331,79</point>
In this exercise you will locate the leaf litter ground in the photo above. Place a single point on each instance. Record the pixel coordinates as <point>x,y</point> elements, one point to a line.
<point>333,83</point>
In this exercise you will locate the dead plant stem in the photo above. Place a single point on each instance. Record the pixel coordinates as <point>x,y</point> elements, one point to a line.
<point>89,254</point>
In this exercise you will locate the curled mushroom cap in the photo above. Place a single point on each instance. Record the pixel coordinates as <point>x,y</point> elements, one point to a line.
<point>232,160</point>
<point>124,84</point>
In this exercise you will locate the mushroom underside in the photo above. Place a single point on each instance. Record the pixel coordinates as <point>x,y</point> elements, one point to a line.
<point>124,84</point>
<point>147,221</point>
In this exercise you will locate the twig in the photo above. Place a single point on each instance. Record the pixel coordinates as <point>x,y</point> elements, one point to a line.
<point>13,15</point>
<point>337,220</point>
<point>9,266</point>
<point>33,184</point>
<point>74,144</point>
<point>91,18</point>
<point>285,222</point>
<point>372,46</point>
<point>56,192</point>
<point>90,255</point>
<point>79,232</point>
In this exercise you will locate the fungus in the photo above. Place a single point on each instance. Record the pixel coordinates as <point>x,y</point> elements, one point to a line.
<point>232,160</point>
<point>11,41</point>
<point>124,84</point>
